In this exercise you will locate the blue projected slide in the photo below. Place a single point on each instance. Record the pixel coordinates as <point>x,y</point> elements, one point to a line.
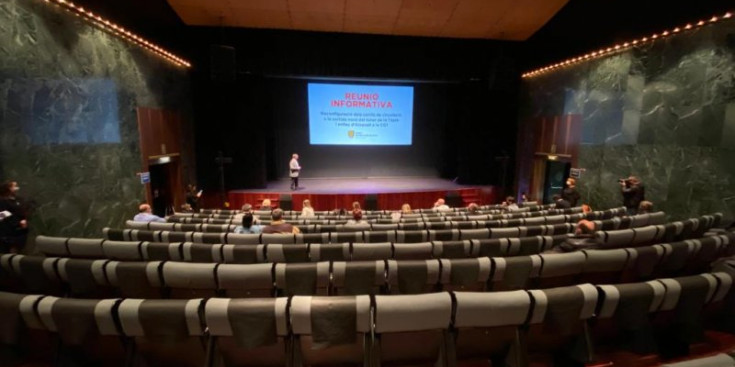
<point>343,114</point>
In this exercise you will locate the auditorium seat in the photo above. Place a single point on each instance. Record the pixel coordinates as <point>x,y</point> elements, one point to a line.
<point>414,276</point>
<point>120,250</point>
<point>412,236</point>
<point>469,234</point>
<point>277,253</point>
<point>487,327</point>
<point>647,235</point>
<point>558,270</point>
<point>161,251</point>
<point>380,236</point>
<point>37,275</point>
<point>23,340</point>
<point>302,279</point>
<point>331,330</point>
<point>615,238</point>
<point>165,332</point>
<point>622,330</point>
<point>412,251</point>
<point>312,238</point>
<point>135,279</point>
<point>647,259</point>
<point>167,236</point>
<point>411,330</point>
<point>201,253</point>
<point>248,332</point>
<point>465,275</point>
<point>329,252</point>
<point>371,251</point>
<point>188,280</point>
<point>52,246</point>
<point>243,238</point>
<point>606,266</point>
<point>359,277</point>
<point>251,281</point>
<point>85,329</point>
<point>505,232</point>
<point>679,322</point>
<point>201,237</point>
<point>338,237</point>
<point>85,278</point>
<point>497,247</point>
<point>444,235</point>
<point>514,273</point>
<point>558,324</point>
<point>239,254</point>
<point>453,249</point>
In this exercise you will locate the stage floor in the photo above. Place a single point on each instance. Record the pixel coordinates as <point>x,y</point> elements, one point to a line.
<point>328,194</point>
<point>360,186</point>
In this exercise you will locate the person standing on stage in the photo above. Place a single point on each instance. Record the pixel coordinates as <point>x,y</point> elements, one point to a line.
<point>294,170</point>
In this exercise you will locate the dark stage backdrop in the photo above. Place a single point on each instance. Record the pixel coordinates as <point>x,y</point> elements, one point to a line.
<point>424,157</point>
<point>465,105</point>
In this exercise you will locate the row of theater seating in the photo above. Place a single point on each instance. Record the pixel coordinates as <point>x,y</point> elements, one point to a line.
<point>377,216</point>
<point>695,227</point>
<point>497,207</point>
<point>440,223</point>
<point>347,251</point>
<point>384,220</point>
<point>246,254</point>
<point>570,325</point>
<point>151,279</point>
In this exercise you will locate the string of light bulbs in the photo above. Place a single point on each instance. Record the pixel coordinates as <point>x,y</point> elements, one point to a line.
<point>119,31</point>
<point>624,46</point>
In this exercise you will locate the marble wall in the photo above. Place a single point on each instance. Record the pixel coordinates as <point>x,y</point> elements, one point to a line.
<point>68,123</point>
<point>664,112</point>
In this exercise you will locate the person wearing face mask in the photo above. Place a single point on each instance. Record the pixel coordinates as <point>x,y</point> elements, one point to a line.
<point>13,222</point>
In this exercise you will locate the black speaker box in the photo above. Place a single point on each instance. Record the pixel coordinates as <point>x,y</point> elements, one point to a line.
<point>285,202</point>
<point>371,202</point>
<point>223,63</point>
<point>453,199</point>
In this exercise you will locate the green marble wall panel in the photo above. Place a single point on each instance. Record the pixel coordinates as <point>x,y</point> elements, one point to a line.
<point>664,112</point>
<point>68,124</point>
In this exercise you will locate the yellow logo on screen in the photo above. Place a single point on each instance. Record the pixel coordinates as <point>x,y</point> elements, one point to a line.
<point>351,133</point>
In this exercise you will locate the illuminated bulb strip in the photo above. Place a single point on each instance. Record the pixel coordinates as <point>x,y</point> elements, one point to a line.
<point>119,31</point>
<point>624,46</point>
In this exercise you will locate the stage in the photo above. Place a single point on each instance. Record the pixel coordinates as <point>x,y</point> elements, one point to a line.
<point>390,193</point>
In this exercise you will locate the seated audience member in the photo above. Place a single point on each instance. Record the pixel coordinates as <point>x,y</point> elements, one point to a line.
<point>357,219</point>
<point>440,205</point>
<point>560,202</point>
<point>406,208</point>
<point>186,208</point>
<point>510,204</point>
<point>247,225</point>
<point>266,204</point>
<point>278,225</point>
<point>473,208</point>
<point>583,238</point>
<point>245,209</point>
<point>645,207</point>
<point>356,206</point>
<point>524,197</point>
<point>586,208</point>
<point>307,211</point>
<point>145,214</point>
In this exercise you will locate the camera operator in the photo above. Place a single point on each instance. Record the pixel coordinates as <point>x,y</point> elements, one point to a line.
<point>633,193</point>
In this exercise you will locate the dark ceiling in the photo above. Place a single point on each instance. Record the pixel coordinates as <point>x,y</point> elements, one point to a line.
<point>579,27</point>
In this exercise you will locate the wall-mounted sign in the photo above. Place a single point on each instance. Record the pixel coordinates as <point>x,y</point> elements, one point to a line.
<point>576,172</point>
<point>145,177</point>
